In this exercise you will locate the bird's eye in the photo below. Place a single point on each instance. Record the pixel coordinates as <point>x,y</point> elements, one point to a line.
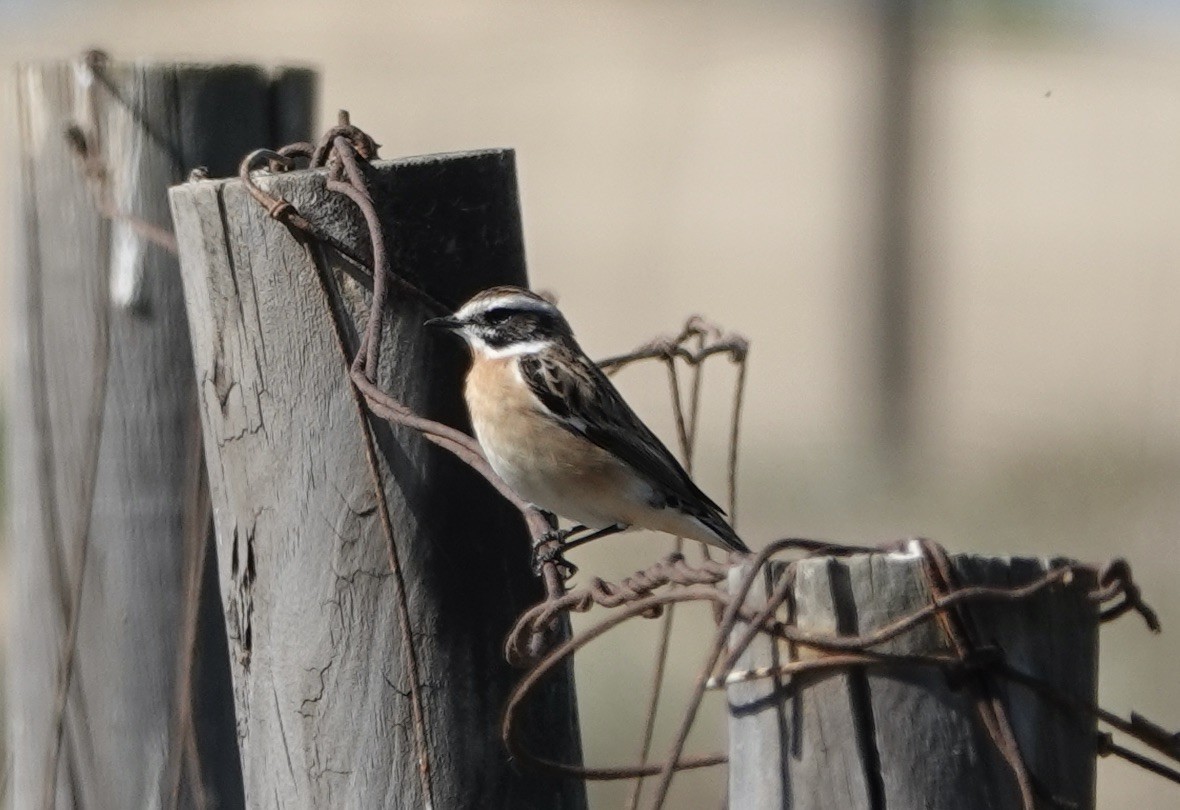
<point>498,315</point>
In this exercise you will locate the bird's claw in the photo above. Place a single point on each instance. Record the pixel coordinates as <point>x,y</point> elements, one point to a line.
<point>548,550</point>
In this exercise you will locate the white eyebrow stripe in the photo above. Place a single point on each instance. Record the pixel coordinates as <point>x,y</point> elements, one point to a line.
<point>511,301</point>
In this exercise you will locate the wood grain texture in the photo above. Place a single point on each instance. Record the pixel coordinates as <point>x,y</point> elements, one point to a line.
<point>757,724</point>
<point>877,738</point>
<point>322,692</point>
<point>102,391</point>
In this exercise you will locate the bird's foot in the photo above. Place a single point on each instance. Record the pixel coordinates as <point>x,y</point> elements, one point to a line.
<point>555,542</point>
<point>549,550</point>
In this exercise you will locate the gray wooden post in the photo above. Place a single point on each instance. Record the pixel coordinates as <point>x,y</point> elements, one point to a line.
<point>327,691</point>
<point>110,509</point>
<point>876,738</point>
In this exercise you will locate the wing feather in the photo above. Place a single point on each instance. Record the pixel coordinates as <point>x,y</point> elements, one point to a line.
<point>584,401</point>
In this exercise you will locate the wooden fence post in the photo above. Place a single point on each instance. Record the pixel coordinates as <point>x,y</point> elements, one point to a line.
<point>333,706</point>
<point>111,518</point>
<point>858,738</point>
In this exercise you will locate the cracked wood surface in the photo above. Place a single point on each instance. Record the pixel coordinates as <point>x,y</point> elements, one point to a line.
<point>322,696</point>
<point>129,425</point>
<point>895,740</point>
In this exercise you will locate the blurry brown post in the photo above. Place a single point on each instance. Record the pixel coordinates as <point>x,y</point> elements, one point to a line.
<point>894,286</point>
<point>336,706</point>
<point>861,739</point>
<point>118,690</point>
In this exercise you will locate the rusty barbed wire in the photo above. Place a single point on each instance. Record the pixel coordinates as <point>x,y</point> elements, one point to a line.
<point>534,643</point>
<point>349,149</point>
<point>340,149</point>
<point>85,140</point>
<point>697,342</point>
<point>957,628</point>
<point>637,597</point>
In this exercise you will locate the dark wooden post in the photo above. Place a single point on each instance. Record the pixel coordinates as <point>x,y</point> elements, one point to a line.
<point>335,705</point>
<point>119,688</point>
<point>871,738</point>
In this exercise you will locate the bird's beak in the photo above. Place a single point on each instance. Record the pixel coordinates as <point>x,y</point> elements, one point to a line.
<point>448,323</point>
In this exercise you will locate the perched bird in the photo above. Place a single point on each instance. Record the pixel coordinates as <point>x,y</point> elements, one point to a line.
<point>560,435</point>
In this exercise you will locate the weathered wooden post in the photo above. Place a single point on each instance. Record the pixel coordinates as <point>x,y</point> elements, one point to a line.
<point>910,736</point>
<point>119,692</point>
<point>337,705</point>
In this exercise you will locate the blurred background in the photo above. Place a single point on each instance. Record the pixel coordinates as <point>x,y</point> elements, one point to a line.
<point>950,230</point>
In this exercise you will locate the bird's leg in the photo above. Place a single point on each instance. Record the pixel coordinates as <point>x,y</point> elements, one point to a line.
<point>614,528</point>
<point>556,542</point>
<point>562,536</point>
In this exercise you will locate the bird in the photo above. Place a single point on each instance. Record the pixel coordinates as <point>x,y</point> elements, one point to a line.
<point>561,436</point>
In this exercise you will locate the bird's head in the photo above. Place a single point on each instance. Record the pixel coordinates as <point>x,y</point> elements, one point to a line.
<point>506,321</point>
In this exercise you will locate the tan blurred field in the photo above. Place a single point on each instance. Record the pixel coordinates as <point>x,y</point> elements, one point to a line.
<point>683,158</point>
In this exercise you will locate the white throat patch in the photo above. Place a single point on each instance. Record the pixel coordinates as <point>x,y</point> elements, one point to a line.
<point>511,350</point>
